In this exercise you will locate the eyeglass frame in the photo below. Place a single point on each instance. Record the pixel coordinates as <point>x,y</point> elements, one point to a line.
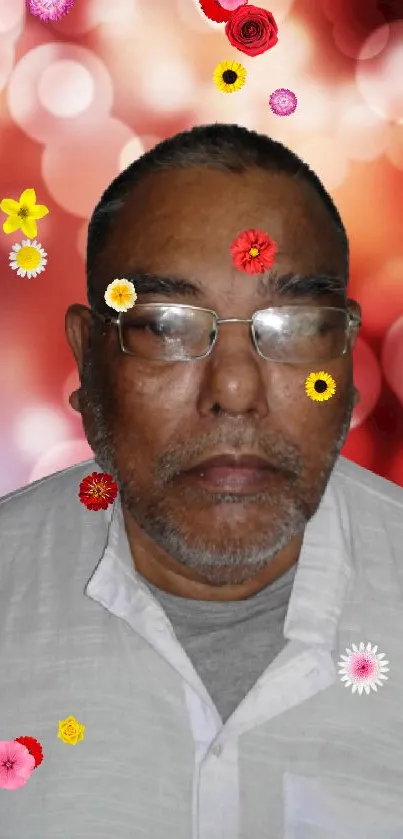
<point>354,322</point>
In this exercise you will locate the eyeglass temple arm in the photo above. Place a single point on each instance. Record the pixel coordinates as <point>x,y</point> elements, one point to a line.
<point>104,318</point>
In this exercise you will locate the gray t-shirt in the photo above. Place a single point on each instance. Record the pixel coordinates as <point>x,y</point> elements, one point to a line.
<point>230,644</point>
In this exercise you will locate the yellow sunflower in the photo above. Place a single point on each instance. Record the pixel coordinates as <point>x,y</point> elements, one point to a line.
<point>229,76</point>
<point>320,386</point>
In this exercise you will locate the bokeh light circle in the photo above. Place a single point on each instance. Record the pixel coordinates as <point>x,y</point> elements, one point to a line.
<point>167,85</point>
<point>60,457</point>
<point>394,149</point>
<point>77,174</point>
<point>364,135</point>
<point>380,79</point>
<point>66,88</point>
<point>130,152</point>
<point>37,427</point>
<point>12,17</point>
<point>381,298</point>
<point>392,358</point>
<point>326,156</point>
<point>367,379</point>
<point>25,90</point>
<point>82,236</point>
<point>7,57</point>
<point>355,37</point>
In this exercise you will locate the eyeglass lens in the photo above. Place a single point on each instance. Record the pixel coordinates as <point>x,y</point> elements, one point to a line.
<point>289,334</point>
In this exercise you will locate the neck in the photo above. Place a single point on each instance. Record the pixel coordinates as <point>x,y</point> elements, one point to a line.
<point>169,575</point>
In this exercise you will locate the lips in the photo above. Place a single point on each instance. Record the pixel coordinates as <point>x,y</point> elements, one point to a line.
<point>238,475</point>
<point>227,461</point>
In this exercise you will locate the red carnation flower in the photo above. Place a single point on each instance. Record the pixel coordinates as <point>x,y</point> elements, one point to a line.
<point>33,746</point>
<point>214,11</point>
<point>97,491</point>
<point>252,30</point>
<point>253,251</point>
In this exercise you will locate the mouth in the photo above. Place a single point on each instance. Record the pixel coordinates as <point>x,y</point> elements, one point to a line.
<point>244,475</point>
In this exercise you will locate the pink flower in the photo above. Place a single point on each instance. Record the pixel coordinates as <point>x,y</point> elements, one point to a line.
<point>231,5</point>
<point>16,764</point>
<point>363,668</point>
<point>50,10</point>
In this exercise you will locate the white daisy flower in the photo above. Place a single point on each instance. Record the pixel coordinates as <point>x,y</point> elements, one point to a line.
<point>120,295</point>
<point>28,258</point>
<point>363,668</point>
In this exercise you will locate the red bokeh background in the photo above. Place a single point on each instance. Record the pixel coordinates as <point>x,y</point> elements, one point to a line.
<point>81,98</point>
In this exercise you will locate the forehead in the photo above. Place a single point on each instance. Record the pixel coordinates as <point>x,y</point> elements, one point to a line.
<point>182,222</point>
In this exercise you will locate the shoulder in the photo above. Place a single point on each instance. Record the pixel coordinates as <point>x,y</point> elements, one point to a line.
<point>364,486</point>
<point>35,501</point>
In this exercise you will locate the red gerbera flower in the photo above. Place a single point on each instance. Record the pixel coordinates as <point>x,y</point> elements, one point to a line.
<point>253,251</point>
<point>97,491</point>
<point>33,746</point>
<point>214,11</point>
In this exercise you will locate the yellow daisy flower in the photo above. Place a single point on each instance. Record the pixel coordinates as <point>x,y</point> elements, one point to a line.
<point>320,386</point>
<point>28,259</point>
<point>71,731</point>
<point>23,213</point>
<point>229,76</point>
<point>120,295</point>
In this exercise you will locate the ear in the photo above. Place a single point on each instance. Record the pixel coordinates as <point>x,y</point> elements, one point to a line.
<point>354,307</point>
<point>78,327</point>
<point>73,400</point>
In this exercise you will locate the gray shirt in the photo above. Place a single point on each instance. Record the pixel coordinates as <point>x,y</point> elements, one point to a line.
<point>230,644</point>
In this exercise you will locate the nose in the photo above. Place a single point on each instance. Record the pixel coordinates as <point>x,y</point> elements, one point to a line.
<point>234,380</point>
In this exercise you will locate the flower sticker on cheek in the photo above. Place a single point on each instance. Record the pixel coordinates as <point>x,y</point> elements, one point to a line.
<point>320,386</point>
<point>253,251</point>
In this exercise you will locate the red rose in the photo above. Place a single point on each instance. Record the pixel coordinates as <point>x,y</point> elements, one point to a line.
<point>252,30</point>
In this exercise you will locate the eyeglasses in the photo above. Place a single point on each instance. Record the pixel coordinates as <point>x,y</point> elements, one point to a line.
<point>288,334</point>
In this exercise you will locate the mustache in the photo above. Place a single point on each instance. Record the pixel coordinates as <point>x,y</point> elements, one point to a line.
<point>180,457</point>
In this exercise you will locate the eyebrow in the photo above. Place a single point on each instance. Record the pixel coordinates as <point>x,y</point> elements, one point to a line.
<point>284,285</point>
<point>309,285</point>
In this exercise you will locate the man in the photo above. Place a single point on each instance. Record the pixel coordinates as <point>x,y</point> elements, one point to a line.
<point>195,627</point>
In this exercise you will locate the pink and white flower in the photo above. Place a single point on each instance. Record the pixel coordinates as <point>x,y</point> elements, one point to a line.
<point>363,668</point>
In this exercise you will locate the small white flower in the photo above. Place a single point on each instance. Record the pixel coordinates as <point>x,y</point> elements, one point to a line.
<point>120,295</point>
<point>28,258</point>
<point>363,668</point>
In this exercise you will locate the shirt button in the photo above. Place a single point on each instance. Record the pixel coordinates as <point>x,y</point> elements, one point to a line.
<point>217,750</point>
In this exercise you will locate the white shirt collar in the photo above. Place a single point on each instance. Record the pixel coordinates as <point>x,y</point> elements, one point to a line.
<point>322,577</point>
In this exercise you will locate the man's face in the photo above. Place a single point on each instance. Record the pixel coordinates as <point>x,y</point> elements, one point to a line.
<point>149,421</point>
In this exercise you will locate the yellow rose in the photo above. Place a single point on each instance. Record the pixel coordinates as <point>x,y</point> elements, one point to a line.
<point>71,731</point>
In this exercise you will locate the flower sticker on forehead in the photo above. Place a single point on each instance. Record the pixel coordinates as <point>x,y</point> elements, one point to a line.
<point>253,251</point>
<point>120,295</point>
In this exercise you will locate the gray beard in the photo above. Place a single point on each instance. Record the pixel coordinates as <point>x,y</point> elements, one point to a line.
<point>229,562</point>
